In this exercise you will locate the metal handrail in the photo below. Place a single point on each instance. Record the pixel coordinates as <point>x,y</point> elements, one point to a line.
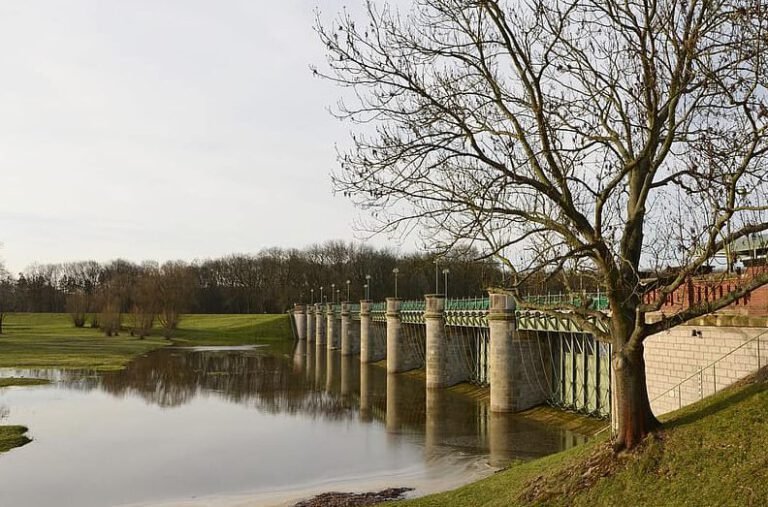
<point>468,304</point>
<point>713,365</point>
<point>598,300</point>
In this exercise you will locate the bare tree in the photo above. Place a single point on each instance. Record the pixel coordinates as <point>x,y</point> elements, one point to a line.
<point>564,133</point>
<point>7,293</point>
<point>145,301</point>
<point>175,285</point>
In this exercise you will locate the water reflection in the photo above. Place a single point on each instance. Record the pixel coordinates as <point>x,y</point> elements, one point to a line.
<point>315,388</point>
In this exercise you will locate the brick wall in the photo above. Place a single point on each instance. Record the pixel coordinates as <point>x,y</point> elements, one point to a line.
<point>711,288</point>
<point>675,355</point>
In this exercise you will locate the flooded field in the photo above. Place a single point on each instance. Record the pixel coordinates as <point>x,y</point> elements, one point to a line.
<point>249,426</point>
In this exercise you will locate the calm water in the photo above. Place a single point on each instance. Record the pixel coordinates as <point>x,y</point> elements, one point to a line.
<point>248,426</point>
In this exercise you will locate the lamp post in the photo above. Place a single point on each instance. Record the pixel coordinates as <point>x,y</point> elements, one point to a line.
<point>437,276</point>
<point>321,294</point>
<point>395,272</point>
<point>348,282</point>
<point>333,294</point>
<point>445,284</point>
<point>312,293</point>
<point>367,286</point>
<point>338,295</point>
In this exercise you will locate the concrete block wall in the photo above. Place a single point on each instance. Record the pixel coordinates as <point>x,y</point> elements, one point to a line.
<point>674,355</point>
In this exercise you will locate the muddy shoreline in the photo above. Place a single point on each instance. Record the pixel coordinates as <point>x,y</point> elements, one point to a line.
<point>337,499</point>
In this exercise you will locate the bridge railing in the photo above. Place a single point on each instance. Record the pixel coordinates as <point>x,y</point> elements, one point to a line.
<point>597,300</point>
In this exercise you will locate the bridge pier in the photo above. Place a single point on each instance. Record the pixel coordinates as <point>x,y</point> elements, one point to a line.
<point>310,323</point>
<point>443,367</point>
<point>299,317</point>
<point>350,334</point>
<point>332,329</point>
<point>400,356</point>
<point>369,351</point>
<point>319,326</point>
<point>516,373</point>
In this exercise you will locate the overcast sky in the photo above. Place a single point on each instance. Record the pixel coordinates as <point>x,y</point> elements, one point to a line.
<point>160,129</point>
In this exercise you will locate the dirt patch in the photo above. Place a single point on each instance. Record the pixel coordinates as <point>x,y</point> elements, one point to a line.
<point>577,477</point>
<point>335,499</point>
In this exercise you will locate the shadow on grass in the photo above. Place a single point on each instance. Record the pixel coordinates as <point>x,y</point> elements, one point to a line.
<point>725,400</point>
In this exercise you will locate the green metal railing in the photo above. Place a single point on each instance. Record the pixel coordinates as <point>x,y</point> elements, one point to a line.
<point>597,300</point>
<point>415,305</point>
<point>468,304</point>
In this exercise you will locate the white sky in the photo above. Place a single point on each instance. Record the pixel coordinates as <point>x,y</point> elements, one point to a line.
<point>164,129</point>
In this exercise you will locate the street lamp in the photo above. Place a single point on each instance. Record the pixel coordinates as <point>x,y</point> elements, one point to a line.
<point>348,282</point>
<point>321,294</point>
<point>367,286</point>
<point>333,294</point>
<point>395,271</point>
<point>437,276</point>
<point>445,285</point>
<point>312,292</point>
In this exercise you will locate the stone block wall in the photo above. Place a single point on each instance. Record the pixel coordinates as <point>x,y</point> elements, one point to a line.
<point>679,353</point>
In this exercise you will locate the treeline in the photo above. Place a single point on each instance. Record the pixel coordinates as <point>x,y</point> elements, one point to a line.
<point>120,292</point>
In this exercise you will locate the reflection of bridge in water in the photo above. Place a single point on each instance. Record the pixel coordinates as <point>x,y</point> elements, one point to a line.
<point>526,357</point>
<point>325,384</point>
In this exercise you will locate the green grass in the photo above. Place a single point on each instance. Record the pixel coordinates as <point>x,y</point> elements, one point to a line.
<point>711,453</point>
<point>16,381</point>
<point>12,436</point>
<point>233,329</point>
<point>49,340</point>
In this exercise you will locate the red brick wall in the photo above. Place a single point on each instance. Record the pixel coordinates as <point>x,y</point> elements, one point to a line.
<point>697,290</point>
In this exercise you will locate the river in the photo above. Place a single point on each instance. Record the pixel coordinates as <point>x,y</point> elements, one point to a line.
<point>237,426</point>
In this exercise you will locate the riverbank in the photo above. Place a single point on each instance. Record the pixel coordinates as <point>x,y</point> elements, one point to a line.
<point>32,341</point>
<point>710,453</point>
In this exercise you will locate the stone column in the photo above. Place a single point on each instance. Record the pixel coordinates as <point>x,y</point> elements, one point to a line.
<point>332,330</point>
<point>311,323</point>
<point>400,356</point>
<point>517,381</point>
<point>299,317</point>
<point>366,336</point>
<point>443,369</point>
<point>346,320</point>
<point>319,326</point>
<point>501,321</point>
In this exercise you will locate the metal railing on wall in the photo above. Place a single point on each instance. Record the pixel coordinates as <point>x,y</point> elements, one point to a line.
<point>707,381</point>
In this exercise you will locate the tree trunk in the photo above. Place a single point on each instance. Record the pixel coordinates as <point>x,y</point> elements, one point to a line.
<point>633,407</point>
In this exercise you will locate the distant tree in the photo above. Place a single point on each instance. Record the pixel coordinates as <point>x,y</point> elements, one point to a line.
<point>145,299</point>
<point>7,294</point>
<point>175,284</point>
<point>77,306</point>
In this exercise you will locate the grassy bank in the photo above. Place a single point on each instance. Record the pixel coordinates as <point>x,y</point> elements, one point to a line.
<point>12,436</point>
<point>711,453</point>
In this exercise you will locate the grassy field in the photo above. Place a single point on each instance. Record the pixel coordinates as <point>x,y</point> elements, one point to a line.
<point>711,453</point>
<point>51,341</point>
